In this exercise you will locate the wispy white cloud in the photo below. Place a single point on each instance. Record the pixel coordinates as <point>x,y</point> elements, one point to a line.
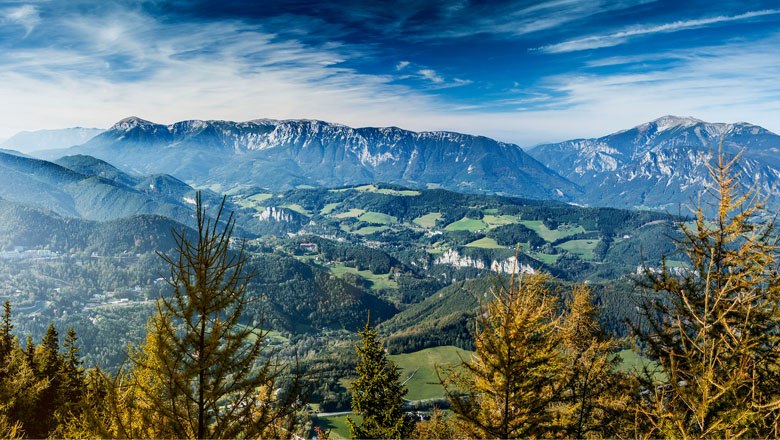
<point>620,37</point>
<point>26,16</point>
<point>515,19</point>
<point>129,63</point>
<point>402,65</point>
<point>431,76</point>
<point>99,69</point>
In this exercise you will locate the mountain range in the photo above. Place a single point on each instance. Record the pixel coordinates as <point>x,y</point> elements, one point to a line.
<point>28,141</point>
<point>286,154</point>
<point>663,163</point>
<point>88,188</point>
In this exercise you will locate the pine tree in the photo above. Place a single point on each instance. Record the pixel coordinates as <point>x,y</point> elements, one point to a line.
<point>595,394</point>
<point>513,382</point>
<point>716,333</point>
<point>203,372</point>
<point>377,394</point>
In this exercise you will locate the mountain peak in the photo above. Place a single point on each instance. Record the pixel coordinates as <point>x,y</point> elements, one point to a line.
<point>670,121</point>
<point>131,122</point>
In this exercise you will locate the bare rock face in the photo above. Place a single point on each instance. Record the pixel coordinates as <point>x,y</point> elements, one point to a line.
<point>510,265</point>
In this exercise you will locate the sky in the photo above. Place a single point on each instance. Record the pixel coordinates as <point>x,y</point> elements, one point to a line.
<point>525,72</point>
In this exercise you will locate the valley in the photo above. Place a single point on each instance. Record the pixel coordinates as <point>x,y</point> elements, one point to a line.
<point>80,247</point>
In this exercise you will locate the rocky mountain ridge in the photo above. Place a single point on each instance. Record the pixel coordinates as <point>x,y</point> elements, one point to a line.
<point>284,154</point>
<point>662,164</point>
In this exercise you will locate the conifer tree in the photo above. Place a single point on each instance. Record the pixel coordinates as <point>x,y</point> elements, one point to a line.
<point>29,352</point>
<point>377,394</point>
<point>438,427</point>
<point>21,388</point>
<point>71,372</point>
<point>49,354</point>
<point>203,372</point>
<point>6,338</point>
<point>511,385</point>
<point>716,337</point>
<point>595,393</point>
<point>48,361</point>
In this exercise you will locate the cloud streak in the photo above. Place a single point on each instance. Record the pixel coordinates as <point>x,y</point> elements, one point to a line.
<point>26,15</point>
<point>71,68</point>
<point>620,37</point>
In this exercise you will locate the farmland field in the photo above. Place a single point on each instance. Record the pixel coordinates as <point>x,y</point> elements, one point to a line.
<point>466,224</point>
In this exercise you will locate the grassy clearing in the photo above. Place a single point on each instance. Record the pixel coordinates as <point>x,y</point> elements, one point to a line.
<point>337,425</point>
<point>377,218</point>
<point>368,230</point>
<point>378,282</point>
<point>494,221</point>
<point>260,197</point>
<point>545,258</point>
<point>424,384</point>
<point>297,208</point>
<point>327,209</point>
<point>485,243</point>
<point>271,336</point>
<point>396,192</point>
<point>253,202</point>
<point>633,362</point>
<point>550,235</point>
<point>677,263</point>
<point>466,224</point>
<point>354,212</point>
<point>387,191</point>
<point>581,248</point>
<point>428,221</point>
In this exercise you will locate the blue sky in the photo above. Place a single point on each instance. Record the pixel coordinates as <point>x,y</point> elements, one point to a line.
<point>519,71</point>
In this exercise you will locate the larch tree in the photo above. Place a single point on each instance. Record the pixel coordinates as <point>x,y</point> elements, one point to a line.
<point>715,331</point>
<point>595,396</point>
<point>377,394</point>
<point>201,371</point>
<point>511,386</point>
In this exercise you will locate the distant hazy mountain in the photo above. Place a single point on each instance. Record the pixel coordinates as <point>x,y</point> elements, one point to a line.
<point>662,163</point>
<point>27,141</point>
<point>85,194</point>
<point>33,227</point>
<point>286,154</point>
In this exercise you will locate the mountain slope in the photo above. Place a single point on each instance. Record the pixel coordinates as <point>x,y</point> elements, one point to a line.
<point>662,163</point>
<point>27,141</point>
<point>88,196</point>
<point>286,154</point>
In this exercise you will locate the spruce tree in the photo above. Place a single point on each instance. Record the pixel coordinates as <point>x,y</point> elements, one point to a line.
<point>511,386</point>
<point>48,361</point>
<point>6,338</point>
<point>715,332</point>
<point>71,372</point>
<point>377,394</point>
<point>48,354</point>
